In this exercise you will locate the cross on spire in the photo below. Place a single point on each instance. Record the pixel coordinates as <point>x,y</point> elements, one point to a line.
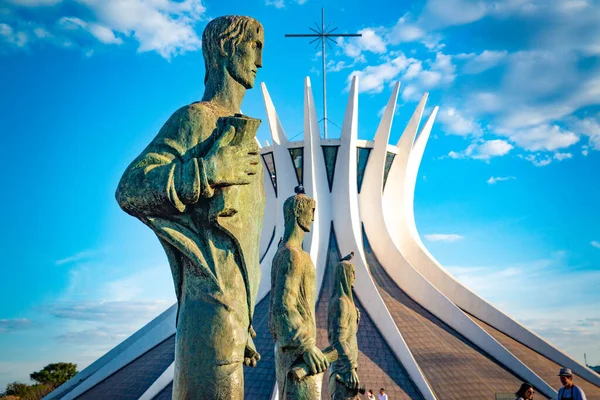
<point>323,35</point>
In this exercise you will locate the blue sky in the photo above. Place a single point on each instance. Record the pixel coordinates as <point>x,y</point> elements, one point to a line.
<point>508,192</point>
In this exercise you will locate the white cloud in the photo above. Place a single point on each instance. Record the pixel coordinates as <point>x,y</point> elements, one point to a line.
<point>164,26</point>
<point>590,127</point>
<point>484,61</point>
<point>439,72</point>
<point>494,180</point>
<point>595,244</point>
<point>100,32</point>
<point>443,237</point>
<point>275,3</point>
<point>537,159</point>
<point>456,123</point>
<point>373,78</point>
<point>543,137</point>
<point>562,156</point>
<point>370,40</point>
<point>404,31</point>
<point>9,35</point>
<point>484,150</point>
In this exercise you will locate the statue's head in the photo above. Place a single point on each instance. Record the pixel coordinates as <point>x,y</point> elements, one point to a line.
<point>233,43</point>
<point>344,276</point>
<point>299,209</point>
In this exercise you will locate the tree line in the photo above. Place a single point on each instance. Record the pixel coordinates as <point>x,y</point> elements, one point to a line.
<point>45,381</point>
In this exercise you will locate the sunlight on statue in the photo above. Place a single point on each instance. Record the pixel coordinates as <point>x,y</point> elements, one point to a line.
<point>342,326</point>
<point>292,306</point>
<point>199,186</point>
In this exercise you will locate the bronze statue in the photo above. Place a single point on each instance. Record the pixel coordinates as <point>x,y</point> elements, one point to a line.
<point>292,307</point>
<point>342,326</point>
<point>199,186</point>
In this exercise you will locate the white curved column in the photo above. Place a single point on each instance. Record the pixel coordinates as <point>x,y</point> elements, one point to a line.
<point>393,194</point>
<point>414,250</point>
<point>346,221</point>
<point>316,186</point>
<point>408,278</point>
<point>286,181</point>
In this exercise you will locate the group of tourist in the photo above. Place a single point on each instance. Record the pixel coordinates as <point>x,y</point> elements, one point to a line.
<point>569,391</point>
<point>381,396</point>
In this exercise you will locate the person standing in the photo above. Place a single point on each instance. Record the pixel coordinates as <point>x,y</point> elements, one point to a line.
<point>569,390</point>
<point>525,392</point>
<point>382,395</point>
<point>370,395</point>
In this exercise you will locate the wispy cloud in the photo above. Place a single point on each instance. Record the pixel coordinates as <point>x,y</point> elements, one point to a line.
<point>166,27</point>
<point>595,244</point>
<point>443,237</point>
<point>484,150</point>
<point>82,255</point>
<point>493,180</point>
<point>12,325</point>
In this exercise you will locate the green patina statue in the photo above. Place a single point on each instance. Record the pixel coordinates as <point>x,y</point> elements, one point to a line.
<point>199,186</point>
<point>342,321</point>
<point>292,307</point>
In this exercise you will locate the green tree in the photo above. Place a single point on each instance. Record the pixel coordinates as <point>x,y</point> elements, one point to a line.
<point>54,374</point>
<point>16,389</point>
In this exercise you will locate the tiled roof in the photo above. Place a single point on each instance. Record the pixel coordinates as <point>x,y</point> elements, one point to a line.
<point>131,381</point>
<point>377,365</point>
<point>259,382</point>
<point>542,366</point>
<point>449,361</point>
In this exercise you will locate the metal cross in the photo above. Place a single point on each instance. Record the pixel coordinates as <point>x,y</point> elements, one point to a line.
<point>323,35</point>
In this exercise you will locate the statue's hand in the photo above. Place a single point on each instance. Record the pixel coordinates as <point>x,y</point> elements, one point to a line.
<point>251,356</point>
<point>351,379</point>
<point>231,165</point>
<point>315,360</point>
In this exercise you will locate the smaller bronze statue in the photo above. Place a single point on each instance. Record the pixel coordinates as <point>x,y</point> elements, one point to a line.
<point>292,307</point>
<point>343,319</point>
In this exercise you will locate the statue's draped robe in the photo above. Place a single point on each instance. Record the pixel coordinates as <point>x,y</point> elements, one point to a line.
<point>342,326</point>
<point>292,320</point>
<point>214,259</point>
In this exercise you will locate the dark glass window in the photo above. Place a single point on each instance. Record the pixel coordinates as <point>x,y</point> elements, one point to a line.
<point>389,159</point>
<point>270,164</point>
<point>362,156</point>
<point>330,155</point>
<point>297,155</point>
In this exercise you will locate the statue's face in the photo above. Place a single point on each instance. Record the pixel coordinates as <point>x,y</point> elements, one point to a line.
<point>247,58</point>
<point>306,219</point>
<point>352,278</point>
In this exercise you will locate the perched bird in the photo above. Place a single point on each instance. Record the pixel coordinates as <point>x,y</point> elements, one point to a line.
<point>348,257</point>
<point>299,189</point>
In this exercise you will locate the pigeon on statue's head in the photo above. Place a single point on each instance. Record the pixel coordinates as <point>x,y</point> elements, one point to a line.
<point>299,189</point>
<point>348,257</point>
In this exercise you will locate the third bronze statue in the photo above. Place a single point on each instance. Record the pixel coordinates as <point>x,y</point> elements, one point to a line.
<point>199,186</point>
<point>292,305</point>
<point>342,326</point>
